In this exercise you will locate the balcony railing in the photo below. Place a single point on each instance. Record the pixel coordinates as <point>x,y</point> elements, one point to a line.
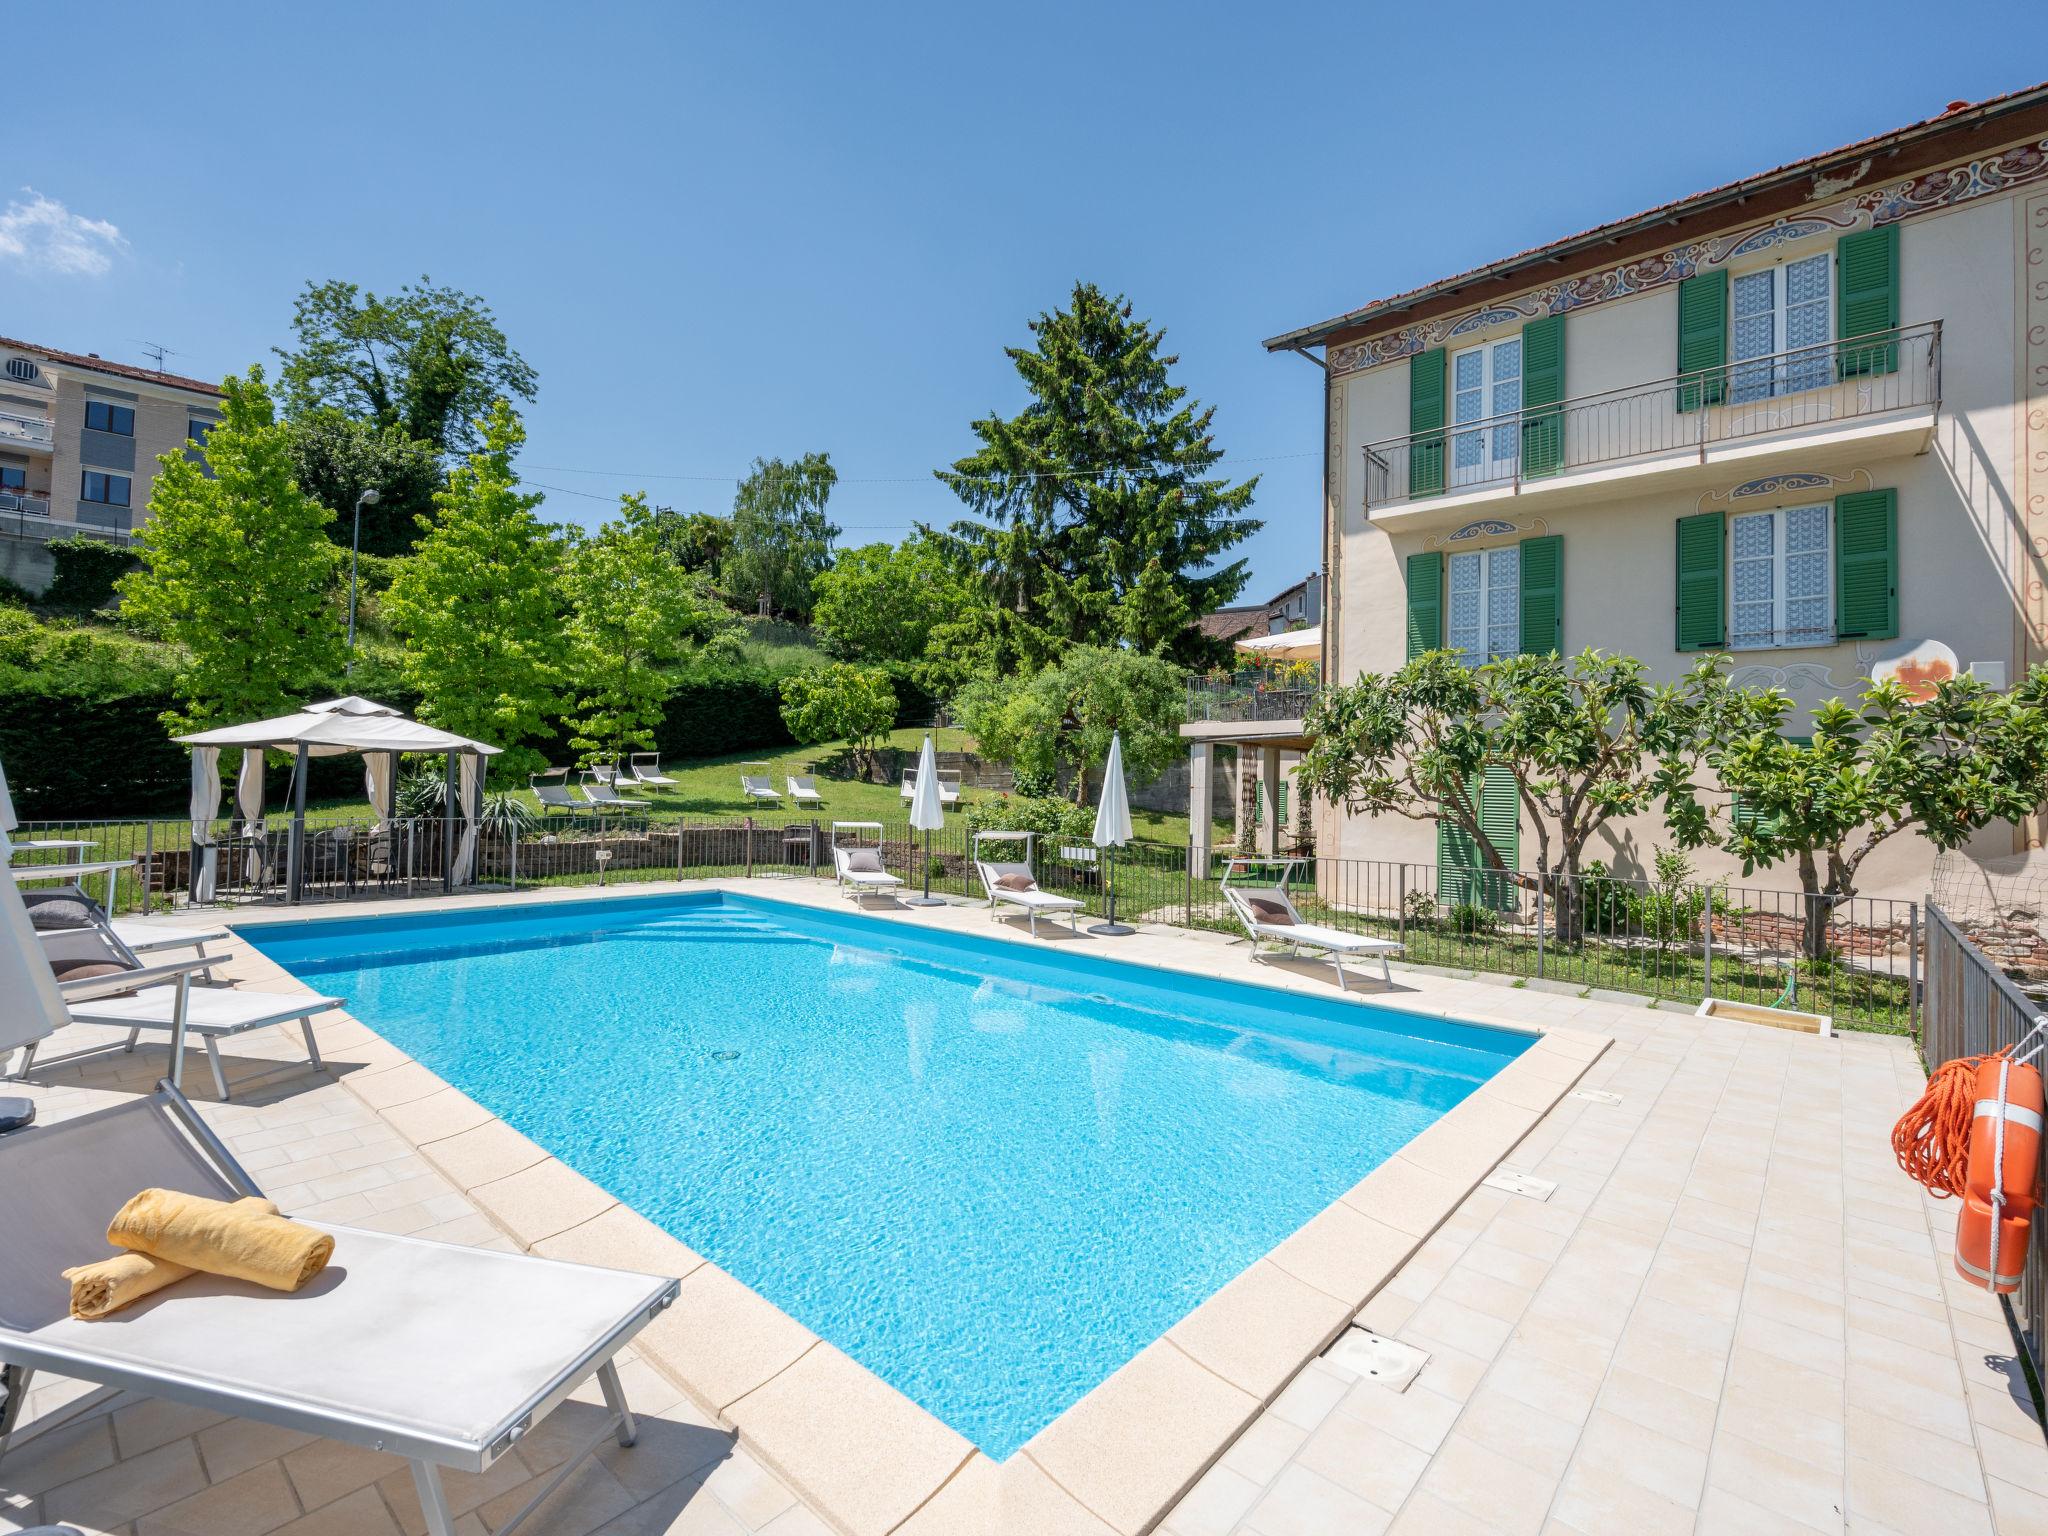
<point>30,503</point>
<point>1807,387</point>
<point>1249,697</point>
<point>36,431</point>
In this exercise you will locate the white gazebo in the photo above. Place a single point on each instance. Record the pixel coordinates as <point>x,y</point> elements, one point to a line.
<point>329,729</point>
<point>1289,645</point>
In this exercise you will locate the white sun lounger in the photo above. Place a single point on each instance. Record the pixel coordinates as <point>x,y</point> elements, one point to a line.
<point>1036,903</point>
<point>850,872</point>
<point>141,936</point>
<point>602,796</point>
<point>555,796</point>
<point>755,786</point>
<point>949,785</point>
<point>803,788</point>
<point>1335,943</point>
<point>645,768</point>
<point>440,1354</point>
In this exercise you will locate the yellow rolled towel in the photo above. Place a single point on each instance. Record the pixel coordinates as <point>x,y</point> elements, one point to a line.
<point>125,1278</point>
<point>235,1240</point>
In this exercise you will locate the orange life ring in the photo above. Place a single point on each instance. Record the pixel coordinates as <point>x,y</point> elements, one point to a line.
<point>2002,1186</point>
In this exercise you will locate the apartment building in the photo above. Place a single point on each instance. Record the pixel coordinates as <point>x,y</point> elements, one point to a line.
<point>1802,419</point>
<point>79,442</point>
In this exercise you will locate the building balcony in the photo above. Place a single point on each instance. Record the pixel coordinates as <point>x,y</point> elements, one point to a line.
<point>1866,397</point>
<point>26,515</point>
<point>26,431</point>
<point>1251,706</point>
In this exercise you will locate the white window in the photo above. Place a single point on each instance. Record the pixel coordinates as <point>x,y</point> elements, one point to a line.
<point>1782,592</point>
<point>1486,382</point>
<point>1486,604</point>
<point>1782,326</point>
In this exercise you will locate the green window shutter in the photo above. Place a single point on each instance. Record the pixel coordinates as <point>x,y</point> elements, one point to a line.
<point>1456,857</point>
<point>1426,423</point>
<point>1543,595</point>
<point>1867,565</point>
<point>1542,392</point>
<point>1462,874</point>
<point>1702,339</point>
<point>1425,603</point>
<point>1702,582</point>
<point>1867,300</point>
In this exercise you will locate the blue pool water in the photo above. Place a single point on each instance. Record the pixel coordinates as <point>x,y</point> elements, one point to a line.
<point>990,1172</point>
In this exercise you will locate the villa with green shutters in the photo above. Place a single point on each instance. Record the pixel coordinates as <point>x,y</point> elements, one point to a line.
<point>1801,418</point>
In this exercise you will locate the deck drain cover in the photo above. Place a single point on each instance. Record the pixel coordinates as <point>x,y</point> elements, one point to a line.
<point>1596,1096</point>
<point>1386,1361</point>
<point>1515,1182</point>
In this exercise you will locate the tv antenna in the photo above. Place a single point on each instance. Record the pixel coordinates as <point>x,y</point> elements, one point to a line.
<point>156,351</point>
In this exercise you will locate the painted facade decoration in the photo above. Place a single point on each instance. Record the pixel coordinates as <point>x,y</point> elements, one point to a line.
<point>1489,528</point>
<point>1787,483</point>
<point>2015,167</point>
<point>1918,666</point>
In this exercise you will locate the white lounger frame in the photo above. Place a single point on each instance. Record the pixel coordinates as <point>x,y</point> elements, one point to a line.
<point>555,796</point>
<point>602,796</point>
<point>756,786</point>
<point>1333,942</point>
<point>22,1355</point>
<point>803,788</point>
<point>645,768</point>
<point>859,882</point>
<point>1036,903</point>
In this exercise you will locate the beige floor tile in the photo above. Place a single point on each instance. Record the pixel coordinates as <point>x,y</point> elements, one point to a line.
<point>1364,1460</point>
<point>235,1445</point>
<point>325,1470</point>
<point>1344,1253</point>
<point>538,1202</point>
<point>621,1238</point>
<point>1486,1486</point>
<point>1894,1496</point>
<point>1761,1474</point>
<point>251,1503</point>
<point>721,1340</point>
<point>587,1499</point>
<point>748,1490</point>
<point>1300,1501</point>
<point>361,1513</point>
<point>138,1485</point>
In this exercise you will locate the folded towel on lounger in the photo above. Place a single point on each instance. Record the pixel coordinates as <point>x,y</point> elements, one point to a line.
<point>233,1240</point>
<point>125,1278</point>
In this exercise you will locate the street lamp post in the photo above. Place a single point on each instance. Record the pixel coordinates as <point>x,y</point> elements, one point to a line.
<point>369,498</point>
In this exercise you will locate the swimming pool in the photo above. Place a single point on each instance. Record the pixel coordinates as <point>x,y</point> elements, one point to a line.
<point>989,1172</point>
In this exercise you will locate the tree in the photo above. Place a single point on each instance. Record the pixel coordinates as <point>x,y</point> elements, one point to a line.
<point>1107,471</point>
<point>428,361</point>
<point>1065,716</point>
<point>478,605</point>
<point>881,602</point>
<point>632,612</point>
<point>697,541</point>
<point>781,538</point>
<point>1587,739</point>
<point>335,458</point>
<point>1949,766</point>
<point>846,703</point>
<point>237,568</point>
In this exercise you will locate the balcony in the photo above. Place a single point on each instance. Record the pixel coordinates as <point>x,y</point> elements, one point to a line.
<point>1860,398</point>
<point>26,431</point>
<point>1253,705</point>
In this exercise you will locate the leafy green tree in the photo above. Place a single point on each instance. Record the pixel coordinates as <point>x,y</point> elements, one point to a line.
<point>1108,470</point>
<point>781,537</point>
<point>1949,767</point>
<point>426,360</point>
<point>237,568</point>
<point>841,702</point>
<point>1065,716</point>
<point>697,541</point>
<point>478,606</point>
<point>335,458</point>
<point>633,612</point>
<point>1587,738</point>
<point>881,602</point>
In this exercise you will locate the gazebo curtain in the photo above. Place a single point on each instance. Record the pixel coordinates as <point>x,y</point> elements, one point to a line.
<point>249,808</point>
<point>465,851</point>
<point>380,782</point>
<point>205,803</point>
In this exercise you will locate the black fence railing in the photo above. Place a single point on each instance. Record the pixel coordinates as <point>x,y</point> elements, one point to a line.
<point>1973,1009</point>
<point>1856,961</point>
<point>1285,694</point>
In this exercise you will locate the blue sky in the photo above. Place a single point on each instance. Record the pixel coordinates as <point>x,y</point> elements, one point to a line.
<point>726,231</point>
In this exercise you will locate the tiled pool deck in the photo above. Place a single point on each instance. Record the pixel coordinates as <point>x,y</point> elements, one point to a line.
<point>1733,1314</point>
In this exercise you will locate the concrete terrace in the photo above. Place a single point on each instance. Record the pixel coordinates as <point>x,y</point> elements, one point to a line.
<point>1733,1314</point>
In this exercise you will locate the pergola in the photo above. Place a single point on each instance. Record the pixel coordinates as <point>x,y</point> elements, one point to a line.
<point>329,729</point>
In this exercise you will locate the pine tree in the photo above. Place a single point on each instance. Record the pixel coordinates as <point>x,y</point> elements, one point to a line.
<point>478,605</point>
<point>237,568</point>
<point>1106,472</point>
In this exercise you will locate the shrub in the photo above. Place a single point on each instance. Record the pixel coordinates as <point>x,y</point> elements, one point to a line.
<point>86,572</point>
<point>1048,816</point>
<point>1469,918</point>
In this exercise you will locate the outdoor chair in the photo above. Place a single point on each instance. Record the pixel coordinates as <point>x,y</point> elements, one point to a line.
<point>602,796</point>
<point>141,938</point>
<point>857,869</point>
<point>1012,883</point>
<point>645,768</point>
<point>551,789</point>
<point>440,1354</point>
<point>803,789</point>
<point>755,786</point>
<point>1267,913</point>
<point>103,982</point>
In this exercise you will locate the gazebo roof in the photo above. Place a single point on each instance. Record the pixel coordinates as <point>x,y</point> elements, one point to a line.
<point>335,726</point>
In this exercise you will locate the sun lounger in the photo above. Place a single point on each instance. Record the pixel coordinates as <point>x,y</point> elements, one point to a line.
<point>1268,913</point>
<point>755,786</point>
<point>949,785</point>
<point>551,788</point>
<point>141,937</point>
<point>604,798</point>
<point>1022,887</point>
<point>443,1355</point>
<point>803,789</point>
<point>857,869</point>
<point>645,768</point>
<point>162,998</point>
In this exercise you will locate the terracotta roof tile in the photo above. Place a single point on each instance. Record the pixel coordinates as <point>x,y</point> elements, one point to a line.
<point>118,370</point>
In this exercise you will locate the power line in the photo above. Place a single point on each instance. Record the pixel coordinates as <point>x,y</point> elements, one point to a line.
<point>934,477</point>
